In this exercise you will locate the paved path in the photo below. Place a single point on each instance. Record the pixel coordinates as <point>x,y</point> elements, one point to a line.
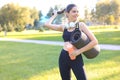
<point>102,46</point>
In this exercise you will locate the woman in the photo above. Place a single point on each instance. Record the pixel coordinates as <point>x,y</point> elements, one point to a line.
<point>65,62</point>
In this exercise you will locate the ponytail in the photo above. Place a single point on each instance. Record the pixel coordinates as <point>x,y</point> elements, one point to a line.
<point>67,9</point>
<point>60,12</point>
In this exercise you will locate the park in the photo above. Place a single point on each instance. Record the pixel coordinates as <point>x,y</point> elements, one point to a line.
<point>32,61</point>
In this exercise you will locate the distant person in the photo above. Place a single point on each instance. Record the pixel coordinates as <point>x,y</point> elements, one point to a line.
<point>65,62</point>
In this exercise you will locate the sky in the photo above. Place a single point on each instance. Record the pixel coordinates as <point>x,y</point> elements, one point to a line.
<point>44,5</point>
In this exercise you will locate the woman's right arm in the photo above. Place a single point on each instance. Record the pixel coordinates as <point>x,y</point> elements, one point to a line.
<point>55,27</point>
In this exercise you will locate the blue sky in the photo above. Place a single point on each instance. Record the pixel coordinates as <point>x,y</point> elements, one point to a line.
<point>44,5</point>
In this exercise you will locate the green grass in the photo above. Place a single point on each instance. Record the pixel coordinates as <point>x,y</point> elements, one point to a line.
<point>20,61</point>
<point>35,35</point>
<point>107,34</point>
<point>108,37</point>
<point>104,34</point>
<point>27,61</point>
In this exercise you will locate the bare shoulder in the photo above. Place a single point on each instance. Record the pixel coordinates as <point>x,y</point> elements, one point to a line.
<point>82,25</point>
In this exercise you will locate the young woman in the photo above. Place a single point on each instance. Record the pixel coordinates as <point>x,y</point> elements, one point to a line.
<point>65,62</point>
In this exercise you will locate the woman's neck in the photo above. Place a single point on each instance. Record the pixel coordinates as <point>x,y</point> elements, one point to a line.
<point>71,20</point>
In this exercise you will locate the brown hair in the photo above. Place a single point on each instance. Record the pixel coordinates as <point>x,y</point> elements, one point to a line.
<point>67,9</point>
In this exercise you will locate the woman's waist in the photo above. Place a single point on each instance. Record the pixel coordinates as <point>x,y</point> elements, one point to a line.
<point>67,45</point>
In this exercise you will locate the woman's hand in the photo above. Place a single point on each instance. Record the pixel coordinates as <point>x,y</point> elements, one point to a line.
<point>54,13</point>
<point>75,53</point>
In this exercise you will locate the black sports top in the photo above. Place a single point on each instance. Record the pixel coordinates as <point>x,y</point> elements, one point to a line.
<point>66,35</point>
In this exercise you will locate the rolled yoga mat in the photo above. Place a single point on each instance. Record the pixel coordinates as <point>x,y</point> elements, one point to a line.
<point>80,39</point>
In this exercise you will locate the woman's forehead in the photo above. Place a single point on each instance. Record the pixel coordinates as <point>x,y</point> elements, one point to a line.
<point>74,8</point>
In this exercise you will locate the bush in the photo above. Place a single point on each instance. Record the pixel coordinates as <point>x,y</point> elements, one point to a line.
<point>41,29</point>
<point>1,28</point>
<point>19,28</point>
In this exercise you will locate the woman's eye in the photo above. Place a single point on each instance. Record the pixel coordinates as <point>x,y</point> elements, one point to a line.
<point>75,11</point>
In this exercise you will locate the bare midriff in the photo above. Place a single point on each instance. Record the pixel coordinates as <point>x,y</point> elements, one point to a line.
<point>66,44</point>
<point>70,48</point>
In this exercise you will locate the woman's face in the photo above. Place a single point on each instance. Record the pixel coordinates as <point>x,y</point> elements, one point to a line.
<point>73,14</point>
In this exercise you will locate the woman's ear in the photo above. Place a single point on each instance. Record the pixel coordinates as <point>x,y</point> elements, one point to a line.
<point>66,14</point>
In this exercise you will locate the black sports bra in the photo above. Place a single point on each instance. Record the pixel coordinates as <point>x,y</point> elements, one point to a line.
<point>66,35</point>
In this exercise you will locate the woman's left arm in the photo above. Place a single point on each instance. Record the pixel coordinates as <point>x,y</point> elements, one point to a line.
<point>91,36</point>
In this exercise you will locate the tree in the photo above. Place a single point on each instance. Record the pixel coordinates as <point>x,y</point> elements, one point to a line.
<point>110,20</point>
<point>115,10</point>
<point>93,16</point>
<point>86,13</point>
<point>17,16</point>
<point>0,28</point>
<point>34,14</point>
<point>49,14</point>
<point>40,15</point>
<point>59,18</point>
<point>102,10</point>
<point>107,8</point>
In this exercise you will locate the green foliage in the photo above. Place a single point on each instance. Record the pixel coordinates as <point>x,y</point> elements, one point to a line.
<point>59,18</point>
<point>10,27</point>
<point>49,14</point>
<point>107,11</point>
<point>13,15</point>
<point>34,14</point>
<point>0,28</point>
<point>110,20</point>
<point>40,15</point>
<point>41,29</point>
<point>19,28</point>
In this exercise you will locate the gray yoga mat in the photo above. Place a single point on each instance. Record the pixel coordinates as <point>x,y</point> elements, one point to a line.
<point>80,39</point>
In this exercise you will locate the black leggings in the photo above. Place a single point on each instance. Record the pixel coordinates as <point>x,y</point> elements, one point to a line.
<point>65,65</point>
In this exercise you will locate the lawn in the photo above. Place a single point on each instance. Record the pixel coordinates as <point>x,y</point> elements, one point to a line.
<point>105,35</point>
<point>28,61</point>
